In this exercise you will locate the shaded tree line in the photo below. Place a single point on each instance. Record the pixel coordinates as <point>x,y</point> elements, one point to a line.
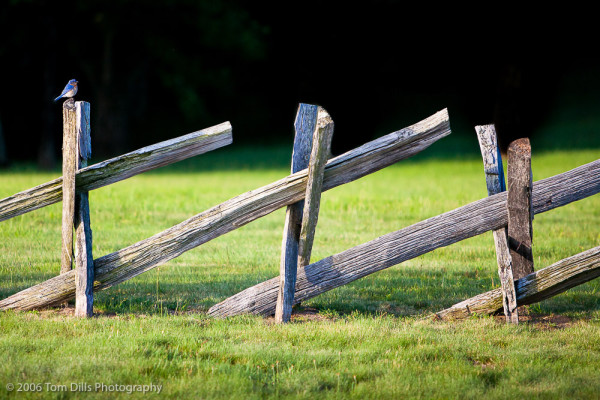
<point>145,67</point>
<point>155,70</point>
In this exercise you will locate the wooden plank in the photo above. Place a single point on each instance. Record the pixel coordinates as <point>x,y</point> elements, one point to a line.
<point>225,217</point>
<point>473,219</point>
<point>84,138</point>
<point>320,152</point>
<point>304,126</point>
<point>492,159</point>
<point>84,261</point>
<point>69,167</point>
<point>119,168</point>
<point>507,282</point>
<point>316,170</point>
<point>535,287</point>
<point>494,176</point>
<point>520,232</point>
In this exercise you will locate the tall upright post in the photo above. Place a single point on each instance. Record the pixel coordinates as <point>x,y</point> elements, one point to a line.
<point>520,212</point>
<point>69,167</point>
<point>304,125</point>
<point>84,261</point>
<point>321,145</point>
<point>494,177</point>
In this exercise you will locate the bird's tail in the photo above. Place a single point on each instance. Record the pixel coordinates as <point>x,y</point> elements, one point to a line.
<point>58,98</point>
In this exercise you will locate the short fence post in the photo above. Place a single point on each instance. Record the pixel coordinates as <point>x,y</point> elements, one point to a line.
<point>69,167</point>
<point>520,212</point>
<point>84,262</point>
<point>494,176</point>
<point>321,148</point>
<point>306,121</point>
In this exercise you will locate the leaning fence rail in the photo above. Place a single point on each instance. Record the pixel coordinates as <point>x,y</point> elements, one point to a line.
<point>537,286</point>
<point>120,168</point>
<point>386,251</point>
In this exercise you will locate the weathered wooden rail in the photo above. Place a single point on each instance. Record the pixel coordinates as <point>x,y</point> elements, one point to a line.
<point>537,286</point>
<point>464,222</point>
<point>120,168</point>
<point>234,213</point>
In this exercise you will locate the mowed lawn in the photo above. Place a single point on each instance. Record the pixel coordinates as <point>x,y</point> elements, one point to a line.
<point>368,339</point>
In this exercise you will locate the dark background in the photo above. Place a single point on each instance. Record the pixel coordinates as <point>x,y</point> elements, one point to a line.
<point>153,70</point>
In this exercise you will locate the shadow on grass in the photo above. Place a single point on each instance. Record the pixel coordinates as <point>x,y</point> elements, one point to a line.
<point>398,291</point>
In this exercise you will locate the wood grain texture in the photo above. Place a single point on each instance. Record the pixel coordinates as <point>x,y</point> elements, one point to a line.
<point>321,147</point>
<point>83,131</point>
<point>316,170</point>
<point>537,286</point>
<point>238,211</point>
<point>84,261</point>
<point>69,168</point>
<point>492,159</point>
<point>520,216</point>
<point>494,177</point>
<point>119,168</point>
<point>304,126</point>
<point>507,282</point>
<point>470,220</point>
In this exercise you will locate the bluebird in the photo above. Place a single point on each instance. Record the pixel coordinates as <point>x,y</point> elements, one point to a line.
<point>69,91</point>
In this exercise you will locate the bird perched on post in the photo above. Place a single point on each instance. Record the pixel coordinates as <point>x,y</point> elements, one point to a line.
<point>69,91</point>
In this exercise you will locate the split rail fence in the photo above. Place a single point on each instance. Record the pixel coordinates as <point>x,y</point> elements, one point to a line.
<point>312,173</point>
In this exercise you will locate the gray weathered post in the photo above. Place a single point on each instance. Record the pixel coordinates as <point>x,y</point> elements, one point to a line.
<point>84,261</point>
<point>69,167</point>
<point>306,120</point>
<point>520,215</point>
<point>321,149</point>
<point>494,176</point>
<point>321,144</point>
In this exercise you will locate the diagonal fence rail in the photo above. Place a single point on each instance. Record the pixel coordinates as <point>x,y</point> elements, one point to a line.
<point>537,286</point>
<point>120,168</point>
<point>386,251</point>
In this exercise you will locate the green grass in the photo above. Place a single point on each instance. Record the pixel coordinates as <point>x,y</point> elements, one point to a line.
<point>369,338</point>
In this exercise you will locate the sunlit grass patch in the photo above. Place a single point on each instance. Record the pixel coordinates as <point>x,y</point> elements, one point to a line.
<point>368,339</point>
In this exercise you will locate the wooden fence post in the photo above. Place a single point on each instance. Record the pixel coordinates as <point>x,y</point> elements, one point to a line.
<point>494,176</point>
<point>321,145</point>
<point>321,149</point>
<point>306,121</point>
<point>84,261</point>
<point>520,215</point>
<point>69,167</point>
